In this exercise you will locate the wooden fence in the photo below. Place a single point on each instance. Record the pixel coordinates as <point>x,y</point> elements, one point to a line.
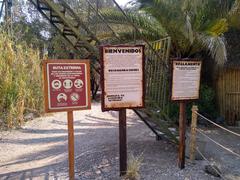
<point>228,95</point>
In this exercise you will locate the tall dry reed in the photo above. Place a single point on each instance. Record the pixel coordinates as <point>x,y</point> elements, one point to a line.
<point>20,81</point>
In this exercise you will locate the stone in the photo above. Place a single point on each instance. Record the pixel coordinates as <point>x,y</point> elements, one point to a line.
<point>213,170</point>
<point>98,172</point>
<point>29,116</point>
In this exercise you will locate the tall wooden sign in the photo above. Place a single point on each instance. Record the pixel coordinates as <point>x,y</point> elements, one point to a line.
<point>122,87</point>
<point>185,87</point>
<point>67,88</point>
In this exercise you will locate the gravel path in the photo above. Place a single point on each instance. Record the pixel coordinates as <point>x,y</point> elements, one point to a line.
<point>39,149</point>
<point>228,163</point>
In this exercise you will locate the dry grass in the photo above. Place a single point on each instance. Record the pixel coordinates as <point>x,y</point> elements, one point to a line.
<point>20,81</point>
<point>134,165</point>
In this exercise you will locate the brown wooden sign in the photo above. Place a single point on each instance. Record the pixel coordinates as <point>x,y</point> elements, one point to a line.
<point>66,85</point>
<point>186,80</point>
<point>185,86</point>
<point>67,88</point>
<point>122,77</point>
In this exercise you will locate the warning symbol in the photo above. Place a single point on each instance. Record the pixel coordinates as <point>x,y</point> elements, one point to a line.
<point>74,97</point>
<point>56,84</point>
<point>62,97</point>
<point>78,83</point>
<point>67,84</point>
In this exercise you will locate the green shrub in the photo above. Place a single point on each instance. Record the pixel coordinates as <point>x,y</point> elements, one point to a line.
<point>174,111</point>
<point>206,104</point>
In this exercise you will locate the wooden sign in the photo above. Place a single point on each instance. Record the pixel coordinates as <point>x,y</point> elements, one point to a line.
<point>185,86</point>
<point>186,80</point>
<point>67,88</point>
<point>67,85</point>
<point>122,77</point>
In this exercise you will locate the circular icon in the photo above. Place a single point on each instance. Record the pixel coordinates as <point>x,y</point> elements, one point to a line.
<point>78,83</point>
<point>74,97</point>
<point>56,84</point>
<point>67,84</point>
<point>62,97</point>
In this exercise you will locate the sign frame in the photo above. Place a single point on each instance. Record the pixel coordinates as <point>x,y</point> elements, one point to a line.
<point>104,108</point>
<point>46,83</point>
<point>172,79</point>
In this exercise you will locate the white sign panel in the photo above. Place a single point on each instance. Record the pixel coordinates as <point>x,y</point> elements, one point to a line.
<point>122,77</point>
<point>186,80</point>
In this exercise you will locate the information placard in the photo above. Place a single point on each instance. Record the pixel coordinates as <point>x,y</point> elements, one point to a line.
<point>186,80</point>
<point>122,77</point>
<point>66,85</point>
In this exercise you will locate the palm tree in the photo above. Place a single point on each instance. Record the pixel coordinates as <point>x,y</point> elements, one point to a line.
<point>194,25</point>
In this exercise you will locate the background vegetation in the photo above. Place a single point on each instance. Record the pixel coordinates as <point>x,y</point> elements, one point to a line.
<point>25,40</point>
<point>20,81</point>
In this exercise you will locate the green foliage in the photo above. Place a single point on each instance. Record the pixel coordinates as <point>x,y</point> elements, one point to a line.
<point>20,81</point>
<point>193,25</point>
<point>173,111</point>
<point>148,27</point>
<point>206,104</point>
<point>219,27</point>
<point>234,15</point>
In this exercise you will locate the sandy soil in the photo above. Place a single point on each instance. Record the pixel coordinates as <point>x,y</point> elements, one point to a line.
<point>39,149</point>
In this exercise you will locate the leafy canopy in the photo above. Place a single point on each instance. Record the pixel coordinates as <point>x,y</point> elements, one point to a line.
<point>194,25</point>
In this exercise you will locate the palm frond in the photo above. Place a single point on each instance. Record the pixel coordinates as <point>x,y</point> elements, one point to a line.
<point>218,28</point>
<point>235,8</point>
<point>189,30</point>
<point>234,15</point>
<point>216,46</point>
<point>146,25</point>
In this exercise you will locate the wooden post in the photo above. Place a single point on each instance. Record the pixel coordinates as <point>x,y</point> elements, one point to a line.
<point>122,142</point>
<point>193,133</point>
<point>70,145</point>
<point>182,129</point>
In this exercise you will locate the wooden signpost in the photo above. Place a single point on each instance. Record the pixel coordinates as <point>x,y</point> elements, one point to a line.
<point>122,87</point>
<point>67,88</point>
<point>185,87</point>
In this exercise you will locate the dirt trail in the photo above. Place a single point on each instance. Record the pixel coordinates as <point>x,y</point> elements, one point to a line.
<point>39,149</point>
